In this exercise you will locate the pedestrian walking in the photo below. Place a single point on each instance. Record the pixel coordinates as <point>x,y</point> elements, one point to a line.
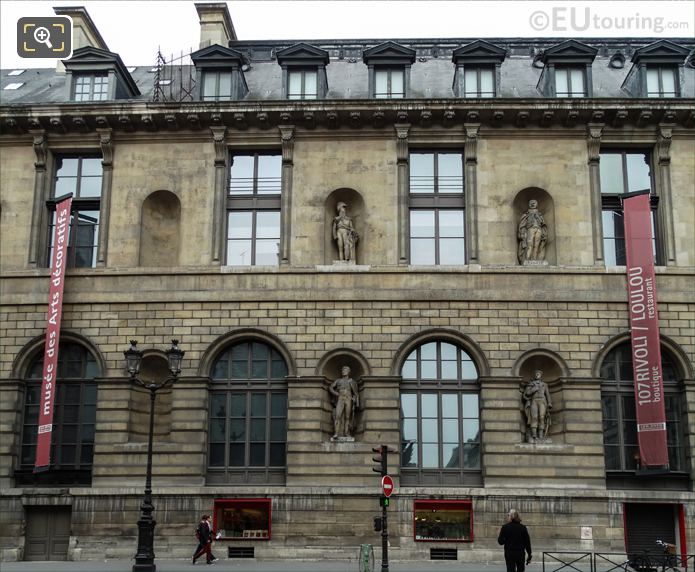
<point>516,540</point>
<point>203,533</point>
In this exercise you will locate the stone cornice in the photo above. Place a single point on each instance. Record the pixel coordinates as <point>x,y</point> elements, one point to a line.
<point>334,114</point>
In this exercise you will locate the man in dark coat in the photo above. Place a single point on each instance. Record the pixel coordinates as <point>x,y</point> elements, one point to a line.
<point>514,536</point>
<point>203,533</point>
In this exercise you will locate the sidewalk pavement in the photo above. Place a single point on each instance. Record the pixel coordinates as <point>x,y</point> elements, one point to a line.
<point>224,565</point>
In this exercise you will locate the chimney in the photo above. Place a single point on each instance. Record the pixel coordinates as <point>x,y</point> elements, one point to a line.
<point>84,32</point>
<point>215,24</point>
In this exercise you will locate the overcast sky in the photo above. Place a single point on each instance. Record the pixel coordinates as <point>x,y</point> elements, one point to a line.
<point>135,29</point>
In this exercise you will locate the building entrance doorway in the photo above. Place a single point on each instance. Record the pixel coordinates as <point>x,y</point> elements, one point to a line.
<point>48,533</point>
<point>645,523</point>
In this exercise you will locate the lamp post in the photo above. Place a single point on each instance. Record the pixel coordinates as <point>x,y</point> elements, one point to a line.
<point>144,557</point>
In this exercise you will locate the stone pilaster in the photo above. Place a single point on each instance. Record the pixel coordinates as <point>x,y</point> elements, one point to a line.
<point>287,138</point>
<point>665,213</point>
<point>222,166</point>
<point>402,130</point>
<point>472,131</point>
<point>38,214</point>
<point>106,143</point>
<point>593,145</point>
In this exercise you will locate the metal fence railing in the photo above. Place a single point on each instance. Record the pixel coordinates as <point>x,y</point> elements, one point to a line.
<point>617,561</point>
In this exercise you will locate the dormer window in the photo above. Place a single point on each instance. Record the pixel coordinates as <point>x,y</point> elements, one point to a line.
<point>303,72</point>
<point>302,84</point>
<point>570,82</point>
<point>91,87</point>
<point>662,81</point>
<point>94,74</point>
<point>567,70</point>
<point>477,69</point>
<point>389,70</point>
<point>656,70</point>
<point>219,74</point>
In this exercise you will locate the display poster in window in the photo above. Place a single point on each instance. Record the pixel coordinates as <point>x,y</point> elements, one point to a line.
<point>61,234</point>
<point>644,332</point>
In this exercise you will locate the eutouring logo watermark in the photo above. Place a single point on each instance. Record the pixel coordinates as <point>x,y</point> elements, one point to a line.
<point>583,19</point>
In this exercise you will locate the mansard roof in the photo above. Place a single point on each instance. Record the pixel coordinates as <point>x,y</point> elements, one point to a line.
<point>302,54</point>
<point>569,51</point>
<point>662,51</point>
<point>388,53</point>
<point>479,51</point>
<point>90,59</point>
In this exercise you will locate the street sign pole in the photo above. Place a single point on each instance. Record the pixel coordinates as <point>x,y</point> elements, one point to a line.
<point>384,537</point>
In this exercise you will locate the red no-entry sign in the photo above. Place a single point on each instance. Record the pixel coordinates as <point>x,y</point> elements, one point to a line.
<point>387,485</point>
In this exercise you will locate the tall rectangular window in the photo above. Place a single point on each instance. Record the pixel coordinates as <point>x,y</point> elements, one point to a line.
<point>217,85</point>
<point>91,87</point>
<point>437,208</point>
<point>253,210</point>
<point>623,171</point>
<point>80,176</point>
<point>570,82</point>
<point>302,84</point>
<point>389,83</point>
<point>662,82</point>
<point>479,82</point>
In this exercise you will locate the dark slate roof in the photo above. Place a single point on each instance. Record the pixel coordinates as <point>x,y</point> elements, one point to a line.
<point>432,72</point>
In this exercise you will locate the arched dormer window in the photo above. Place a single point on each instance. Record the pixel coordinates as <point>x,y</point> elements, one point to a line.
<point>248,415</point>
<point>440,416</point>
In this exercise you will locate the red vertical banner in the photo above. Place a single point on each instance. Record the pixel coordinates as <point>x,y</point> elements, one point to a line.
<point>644,331</point>
<point>61,234</point>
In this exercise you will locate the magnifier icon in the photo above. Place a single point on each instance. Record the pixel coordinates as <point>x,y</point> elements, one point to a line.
<point>43,36</point>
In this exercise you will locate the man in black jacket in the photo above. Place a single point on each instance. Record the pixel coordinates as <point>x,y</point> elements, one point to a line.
<point>203,533</point>
<point>514,536</point>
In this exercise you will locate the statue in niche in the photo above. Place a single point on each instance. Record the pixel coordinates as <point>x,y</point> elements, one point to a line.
<point>537,406</point>
<point>532,234</point>
<point>344,234</point>
<point>347,402</point>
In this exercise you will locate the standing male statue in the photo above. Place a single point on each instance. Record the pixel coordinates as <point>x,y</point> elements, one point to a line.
<point>537,406</point>
<point>532,233</point>
<point>344,234</point>
<point>347,401</point>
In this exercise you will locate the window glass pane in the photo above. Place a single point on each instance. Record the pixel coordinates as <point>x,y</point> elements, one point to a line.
<point>409,430</point>
<point>422,173</point>
<point>238,405</point>
<point>428,369</point>
<point>428,351</point>
<point>470,82</point>
<point>225,89</point>
<point>577,77</point>
<point>209,80</point>
<point>236,454</point>
<point>422,251</point>
<point>277,455</point>
<point>449,370</point>
<point>239,224</point>
<point>258,408</point>
<point>241,175</point>
<point>65,185</point>
<point>217,430</point>
<point>295,85</point>
<point>257,454</point>
<point>239,253</point>
<point>278,431</point>
<point>278,404</point>
<point>237,430</point>
<point>638,178</point>
<point>668,82</point>
<point>450,223</point>
<point>448,351</point>
<point>267,252</point>
<point>259,369</point>
<point>470,406</point>
<point>611,171</point>
<point>471,456</point>
<point>409,370</point>
<point>217,455</point>
<point>430,455</point>
<point>487,83</point>
<point>91,166</point>
<point>257,430</point>
<point>450,454</point>
<point>310,90</point>
<point>269,174</point>
<point>66,167</point>
<point>409,454</point>
<point>470,430</point>
<point>408,405</point>
<point>450,172</point>
<point>450,405</point>
<point>421,224</point>
<point>653,82</point>
<point>561,78</point>
<point>268,224</point>
<point>430,432</point>
<point>452,251</point>
<point>450,431</point>
<point>397,89</point>
<point>381,83</point>
<point>613,238</point>
<point>429,405</point>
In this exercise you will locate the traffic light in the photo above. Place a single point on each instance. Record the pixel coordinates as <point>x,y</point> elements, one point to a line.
<point>383,501</point>
<point>377,524</point>
<point>381,459</point>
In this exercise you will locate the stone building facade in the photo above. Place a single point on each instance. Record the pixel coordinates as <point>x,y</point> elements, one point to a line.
<point>206,216</point>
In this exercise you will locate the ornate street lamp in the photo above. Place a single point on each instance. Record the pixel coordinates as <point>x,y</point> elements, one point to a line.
<point>144,557</point>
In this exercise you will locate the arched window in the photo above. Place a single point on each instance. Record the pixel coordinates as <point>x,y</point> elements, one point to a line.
<point>72,439</point>
<point>440,417</point>
<point>248,415</point>
<point>619,416</point>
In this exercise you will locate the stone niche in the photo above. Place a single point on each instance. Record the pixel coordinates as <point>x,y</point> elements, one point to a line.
<point>160,230</point>
<point>554,370</point>
<point>546,206</point>
<point>357,212</point>
<point>329,367</point>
